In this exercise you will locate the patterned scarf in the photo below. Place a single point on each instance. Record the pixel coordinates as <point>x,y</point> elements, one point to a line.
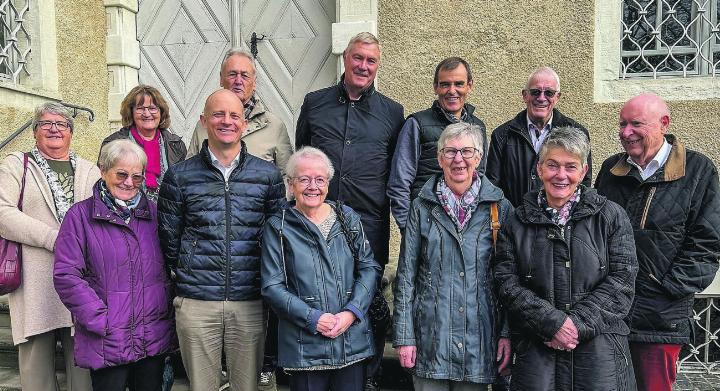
<point>249,106</point>
<point>63,201</point>
<point>559,216</point>
<point>121,208</point>
<point>459,209</point>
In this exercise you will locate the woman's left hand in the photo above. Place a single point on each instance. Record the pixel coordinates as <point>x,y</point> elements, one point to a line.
<point>343,321</point>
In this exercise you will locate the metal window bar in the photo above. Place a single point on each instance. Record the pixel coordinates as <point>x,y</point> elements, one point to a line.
<point>15,42</point>
<point>702,355</point>
<point>670,38</point>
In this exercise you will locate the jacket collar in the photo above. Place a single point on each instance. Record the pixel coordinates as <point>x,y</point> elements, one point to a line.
<point>673,169</point>
<point>519,124</point>
<point>469,109</point>
<point>254,120</point>
<point>488,191</point>
<point>343,94</point>
<point>100,211</point>
<point>205,155</point>
<point>530,212</point>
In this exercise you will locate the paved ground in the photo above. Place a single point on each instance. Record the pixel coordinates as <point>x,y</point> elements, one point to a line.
<point>697,382</point>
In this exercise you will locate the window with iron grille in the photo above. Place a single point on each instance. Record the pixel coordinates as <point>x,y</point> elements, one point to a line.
<point>670,38</point>
<point>14,39</point>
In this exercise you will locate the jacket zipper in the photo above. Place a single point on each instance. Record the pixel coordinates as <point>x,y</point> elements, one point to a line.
<point>227,240</point>
<point>568,241</point>
<point>647,207</point>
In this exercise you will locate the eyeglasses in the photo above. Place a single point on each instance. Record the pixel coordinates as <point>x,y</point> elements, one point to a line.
<point>122,176</point>
<point>535,92</point>
<point>234,75</point>
<point>59,125</point>
<point>466,153</point>
<point>306,181</point>
<point>151,109</point>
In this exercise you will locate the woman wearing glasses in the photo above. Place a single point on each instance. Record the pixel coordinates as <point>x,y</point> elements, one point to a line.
<point>110,274</point>
<point>319,276</point>
<point>55,178</point>
<point>146,121</point>
<point>447,324</point>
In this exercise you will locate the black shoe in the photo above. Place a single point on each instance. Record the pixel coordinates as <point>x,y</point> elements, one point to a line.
<point>371,385</point>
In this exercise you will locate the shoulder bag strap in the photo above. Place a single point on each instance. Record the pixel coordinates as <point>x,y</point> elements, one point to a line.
<point>22,186</point>
<point>495,222</point>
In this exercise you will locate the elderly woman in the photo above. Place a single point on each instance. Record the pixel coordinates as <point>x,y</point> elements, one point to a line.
<point>55,178</point>
<point>110,273</point>
<point>146,121</point>
<point>565,270</point>
<point>319,275</point>
<point>447,326</point>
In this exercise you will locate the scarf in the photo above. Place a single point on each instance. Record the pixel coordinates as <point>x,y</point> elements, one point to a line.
<point>63,202</point>
<point>121,208</point>
<point>150,191</point>
<point>459,209</point>
<point>559,216</point>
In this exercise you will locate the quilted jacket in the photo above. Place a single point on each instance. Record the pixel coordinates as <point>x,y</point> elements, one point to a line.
<point>210,229</point>
<point>675,215</point>
<point>304,275</point>
<point>111,276</point>
<point>512,161</point>
<point>584,270</point>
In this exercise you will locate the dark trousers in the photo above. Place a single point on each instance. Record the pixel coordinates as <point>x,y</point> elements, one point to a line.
<point>143,375</point>
<point>350,378</point>
<point>271,343</point>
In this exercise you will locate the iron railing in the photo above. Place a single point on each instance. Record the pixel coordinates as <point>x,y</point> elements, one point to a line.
<point>703,354</point>
<point>75,111</point>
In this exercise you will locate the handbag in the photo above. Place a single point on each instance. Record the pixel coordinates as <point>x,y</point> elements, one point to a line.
<point>11,252</point>
<point>379,311</point>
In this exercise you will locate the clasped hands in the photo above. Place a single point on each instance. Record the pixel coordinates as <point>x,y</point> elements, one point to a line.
<point>333,325</point>
<point>566,338</point>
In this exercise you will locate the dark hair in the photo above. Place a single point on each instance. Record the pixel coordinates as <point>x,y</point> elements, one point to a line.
<point>128,105</point>
<point>449,64</point>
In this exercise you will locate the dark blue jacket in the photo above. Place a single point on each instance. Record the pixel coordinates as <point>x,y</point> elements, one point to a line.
<point>304,276</point>
<point>210,230</point>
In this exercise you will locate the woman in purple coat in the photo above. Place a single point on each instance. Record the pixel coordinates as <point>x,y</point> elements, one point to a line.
<point>109,272</point>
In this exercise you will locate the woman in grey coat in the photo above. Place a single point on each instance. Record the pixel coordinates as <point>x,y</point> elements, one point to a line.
<point>447,324</point>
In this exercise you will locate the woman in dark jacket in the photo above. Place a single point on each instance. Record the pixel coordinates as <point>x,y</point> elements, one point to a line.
<point>109,272</point>
<point>565,268</point>
<point>315,284</point>
<point>146,121</point>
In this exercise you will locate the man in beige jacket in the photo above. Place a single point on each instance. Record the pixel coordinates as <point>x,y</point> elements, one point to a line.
<point>266,136</point>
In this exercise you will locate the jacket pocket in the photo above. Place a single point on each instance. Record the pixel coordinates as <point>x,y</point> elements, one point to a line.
<point>185,265</point>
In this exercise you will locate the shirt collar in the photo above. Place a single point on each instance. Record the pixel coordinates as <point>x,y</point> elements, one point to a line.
<point>531,126</point>
<point>657,161</point>
<point>216,162</point>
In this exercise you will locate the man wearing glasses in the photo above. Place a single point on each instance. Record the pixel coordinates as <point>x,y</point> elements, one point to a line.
<point>415,159</point>
<point>514,145</point>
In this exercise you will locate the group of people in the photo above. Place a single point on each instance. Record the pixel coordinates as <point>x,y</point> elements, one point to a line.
<point>513,271</point>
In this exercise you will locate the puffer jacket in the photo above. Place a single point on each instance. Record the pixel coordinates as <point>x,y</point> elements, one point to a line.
<point>111,276</point>
<point>512,160</point>
<point>585,271</point>
<point>445,303</point>
<point>359,138</point>
<point>210,229</point>
<point>675,215</point>
<point>304,276</point>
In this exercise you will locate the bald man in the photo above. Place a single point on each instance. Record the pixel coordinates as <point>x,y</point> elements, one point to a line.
<point>211,210</point>
<point>671,195</point>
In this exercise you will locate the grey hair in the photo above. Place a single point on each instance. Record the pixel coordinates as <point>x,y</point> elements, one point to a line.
<point>569,138</point>
<point>52,108</point>
<point>460,129</point>
<point>241,53</point>
<point>117,150</point>
<point>364,37</point>
<point>543,71</point>
<point>307,152</point>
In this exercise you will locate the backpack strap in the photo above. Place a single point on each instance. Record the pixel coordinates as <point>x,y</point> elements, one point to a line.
<point>495,222</point>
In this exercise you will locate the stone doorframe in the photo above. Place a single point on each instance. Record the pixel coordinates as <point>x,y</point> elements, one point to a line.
<point>123,48</point>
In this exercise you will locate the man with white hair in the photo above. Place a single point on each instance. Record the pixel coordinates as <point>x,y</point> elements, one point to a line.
<point>514,145</point>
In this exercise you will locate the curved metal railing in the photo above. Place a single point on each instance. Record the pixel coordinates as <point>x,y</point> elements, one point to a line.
<point>75,111</point>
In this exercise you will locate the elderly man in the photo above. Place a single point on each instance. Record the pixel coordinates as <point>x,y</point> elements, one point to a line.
<point>672,197</point>
<point>514,145</point>
<point>266,136</point>
<point>211,211</point>
<point>357,127</point>
<point>415,160</point>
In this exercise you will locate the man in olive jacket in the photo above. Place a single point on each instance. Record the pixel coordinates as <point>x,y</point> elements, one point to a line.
<point>671,195</point>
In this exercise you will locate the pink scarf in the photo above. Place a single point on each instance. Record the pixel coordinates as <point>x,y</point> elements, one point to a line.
<point>152,150</point>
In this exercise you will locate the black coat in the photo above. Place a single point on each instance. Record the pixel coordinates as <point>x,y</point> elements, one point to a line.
<point>210,230</point>
<point>512,161</point>
<point>586,271</point>
<point>359,138</point>
<point>675,215</point>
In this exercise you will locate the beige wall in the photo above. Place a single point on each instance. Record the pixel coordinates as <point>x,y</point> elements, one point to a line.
<point>82,78</point>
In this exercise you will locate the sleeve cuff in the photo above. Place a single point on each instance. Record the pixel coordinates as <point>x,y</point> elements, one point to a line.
<point>313,319</point>
<point>358,315</point>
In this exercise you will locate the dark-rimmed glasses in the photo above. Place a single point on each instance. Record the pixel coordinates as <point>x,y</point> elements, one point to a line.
<point>466,153</point>
<point>535,92</point>
<point>59,125</point>
<point>151,109</point>
<point>305,181</point>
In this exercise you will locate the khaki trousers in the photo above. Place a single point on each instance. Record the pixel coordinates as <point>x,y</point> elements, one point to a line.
<point>37,363</point>
<point>206,328</point>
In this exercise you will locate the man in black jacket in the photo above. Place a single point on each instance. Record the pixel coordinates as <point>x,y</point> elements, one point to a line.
<point>514,145</point>
<point>415,159</point>
<point>211,211</point>
<point>671,195</point>
<point>357,127</point>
